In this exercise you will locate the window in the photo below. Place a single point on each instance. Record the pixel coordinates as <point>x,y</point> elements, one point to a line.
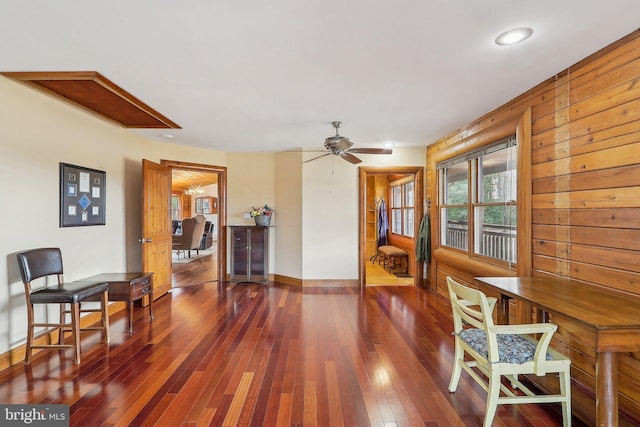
<point>478,202</point>
<point>175,207</point>
<point>402,207</point>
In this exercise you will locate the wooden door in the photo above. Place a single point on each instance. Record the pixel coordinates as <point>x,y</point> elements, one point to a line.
<point>156,225</point>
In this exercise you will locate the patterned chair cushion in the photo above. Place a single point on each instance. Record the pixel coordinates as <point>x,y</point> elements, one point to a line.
<point>511,348</point>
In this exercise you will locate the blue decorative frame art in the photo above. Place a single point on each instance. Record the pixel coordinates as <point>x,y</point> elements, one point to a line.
<point>82,196</point>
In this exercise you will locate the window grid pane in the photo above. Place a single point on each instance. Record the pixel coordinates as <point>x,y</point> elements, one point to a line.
<point>455,232</point>
<point>457,184</point>
<point>396,197</point>
<point>396,221</point>
<point>409,194</point>
<point>175,208</point>
<point>496,234</point>
<point>408,222</point>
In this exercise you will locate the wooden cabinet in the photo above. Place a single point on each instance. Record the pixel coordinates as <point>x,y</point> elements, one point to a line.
<point>206,205</point>
<point>249,254</point>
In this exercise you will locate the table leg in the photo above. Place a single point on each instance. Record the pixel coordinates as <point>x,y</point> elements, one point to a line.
<point>607,389</point>
<point>130,307</point>
<point>151,304</point>
<point>503,310</point>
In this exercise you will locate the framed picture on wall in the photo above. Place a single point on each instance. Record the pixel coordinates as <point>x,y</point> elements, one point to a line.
<point>82,196</point>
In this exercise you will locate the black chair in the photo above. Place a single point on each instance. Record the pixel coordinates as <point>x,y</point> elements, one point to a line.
<point>207,237</point>
<point>46,262</point>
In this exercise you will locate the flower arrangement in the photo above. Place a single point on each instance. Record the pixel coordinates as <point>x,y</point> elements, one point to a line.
<point>265,210</point>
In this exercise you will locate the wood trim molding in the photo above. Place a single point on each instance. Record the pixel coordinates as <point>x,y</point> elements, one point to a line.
<point>420,204</point>
<point>331,283</point>
<point>286,280</point>
<point>93,92</point>
<point>518,122</point>
<point>222,205</point>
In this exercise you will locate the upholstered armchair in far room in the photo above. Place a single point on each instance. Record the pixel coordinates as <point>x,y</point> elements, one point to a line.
<point>192,230</point>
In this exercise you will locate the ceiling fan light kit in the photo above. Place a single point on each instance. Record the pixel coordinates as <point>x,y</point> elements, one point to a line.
<point>341,146</point>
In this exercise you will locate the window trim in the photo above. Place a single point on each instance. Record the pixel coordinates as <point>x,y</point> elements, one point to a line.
<point>472,160</point>
<point>402,183</point>
<point>520,121</point>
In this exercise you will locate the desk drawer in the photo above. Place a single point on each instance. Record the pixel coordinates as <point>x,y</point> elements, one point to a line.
<point>140,288</point>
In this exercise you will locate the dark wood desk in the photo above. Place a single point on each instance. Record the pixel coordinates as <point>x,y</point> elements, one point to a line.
<point>127,287</point>
<point>612,315</point>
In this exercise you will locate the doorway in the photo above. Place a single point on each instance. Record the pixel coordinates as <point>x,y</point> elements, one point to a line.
<point>207,185</point>
<point>373,187</point>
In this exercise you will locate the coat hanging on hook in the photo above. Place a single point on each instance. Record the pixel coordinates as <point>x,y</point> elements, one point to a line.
<point>423,242</point>
<point>383,223</point>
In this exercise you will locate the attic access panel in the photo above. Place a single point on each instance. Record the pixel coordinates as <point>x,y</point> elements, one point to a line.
<point>93,92</point>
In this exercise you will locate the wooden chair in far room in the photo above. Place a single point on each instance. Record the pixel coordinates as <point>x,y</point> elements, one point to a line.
<point>503,350</point>
<point>46,263</point>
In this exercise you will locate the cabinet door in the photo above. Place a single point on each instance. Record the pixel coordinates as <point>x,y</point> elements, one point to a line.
<point>239,254</point>
<point>258,255</point>
<point>249,254</point>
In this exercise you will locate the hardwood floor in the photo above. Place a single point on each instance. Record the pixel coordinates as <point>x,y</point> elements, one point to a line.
<point>255,355</point>
<point>202,270</point>
<point>378,276</point>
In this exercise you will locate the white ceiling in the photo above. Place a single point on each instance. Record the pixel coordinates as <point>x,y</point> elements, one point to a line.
<point>251,75</point>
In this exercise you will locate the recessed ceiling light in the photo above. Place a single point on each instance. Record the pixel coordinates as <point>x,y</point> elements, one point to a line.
<point>514,36</point>
<point>167,136</point>
<point>389,145</point>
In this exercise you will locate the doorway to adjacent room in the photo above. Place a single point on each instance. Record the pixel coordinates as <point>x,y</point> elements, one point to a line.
<point>199,189</point>
<point>379,188</point>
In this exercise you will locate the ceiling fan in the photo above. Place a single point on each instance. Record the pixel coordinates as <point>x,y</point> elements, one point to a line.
<point>341,146</point>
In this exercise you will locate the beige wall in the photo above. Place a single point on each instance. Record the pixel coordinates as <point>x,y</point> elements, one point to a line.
<point>316,204</point>
<point>250,183</point>
<point>288,233</point>
<point>38,132</point>
<point>330,212</point>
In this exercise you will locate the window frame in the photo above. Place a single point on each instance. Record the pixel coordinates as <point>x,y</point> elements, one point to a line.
<point>474,205</point>
<point>177,212</point>
<point>404,208</point>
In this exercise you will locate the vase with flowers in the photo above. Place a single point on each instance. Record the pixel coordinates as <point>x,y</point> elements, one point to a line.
<point>262,216</point>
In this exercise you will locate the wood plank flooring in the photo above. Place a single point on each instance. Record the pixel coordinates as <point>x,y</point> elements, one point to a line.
<point>255,355</point>
<point>378,276</point>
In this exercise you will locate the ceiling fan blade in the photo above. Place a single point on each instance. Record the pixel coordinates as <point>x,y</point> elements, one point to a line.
<point>371,150</point>
<point>343,144</point>
<point>350,158</point>
<point>317,157</point>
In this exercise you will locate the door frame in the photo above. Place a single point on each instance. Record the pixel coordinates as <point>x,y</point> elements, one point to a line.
<point>363,173</point>
<point>221,241</point>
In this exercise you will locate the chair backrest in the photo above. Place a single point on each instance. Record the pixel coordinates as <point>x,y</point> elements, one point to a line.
<point>192,231</point>
<point>470,306</point>
<point>198,231</point>
<point>39,263</point>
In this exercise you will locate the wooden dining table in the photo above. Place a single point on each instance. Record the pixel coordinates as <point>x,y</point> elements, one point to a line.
<point>611,314</point>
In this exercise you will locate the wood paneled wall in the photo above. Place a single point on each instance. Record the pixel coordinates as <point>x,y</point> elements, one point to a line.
<point>585,197</point>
